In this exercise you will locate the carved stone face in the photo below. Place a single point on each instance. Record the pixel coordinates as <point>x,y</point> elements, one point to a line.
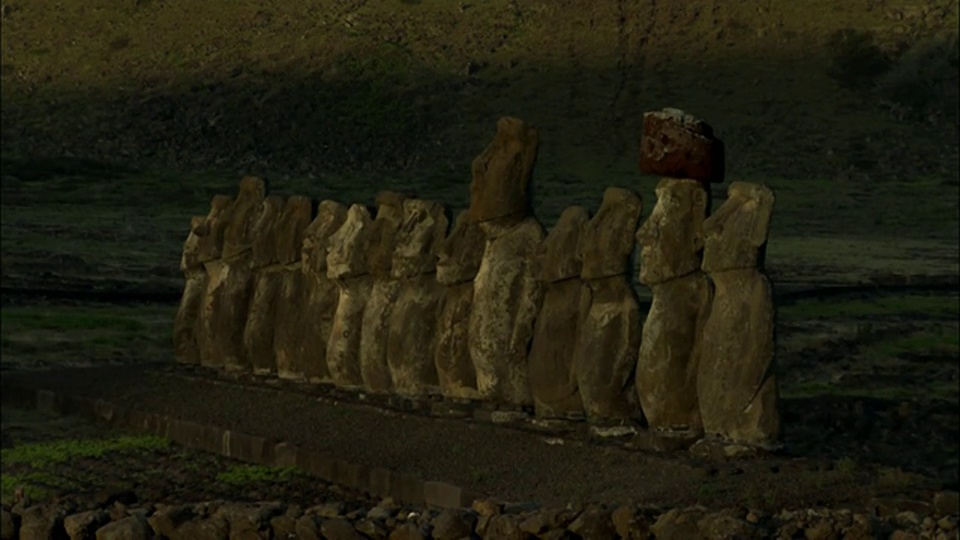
<point>346,256</point>
<point>461,252</point>
<point>607,241</point>
<point>418,240</point>
<point>672,237</point>
<point>500,186</point>
<point>316,239</point>
<point>738,230</point>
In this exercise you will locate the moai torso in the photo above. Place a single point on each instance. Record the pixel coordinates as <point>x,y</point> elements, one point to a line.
<point>553,381</point>
<point>412,342</point>
<point>209,248</point>
<point>322,293</point>
<point>258,333</point>
<point>383,295</point>
<point>606,353</point>
<point>507,295</point>
<point>185,344</point>
<point>347,265</point>
<point>288,340</point>
<point>671,242</point>
<point>457,265</point>
<point>737,385</point>
<point>230,291</point>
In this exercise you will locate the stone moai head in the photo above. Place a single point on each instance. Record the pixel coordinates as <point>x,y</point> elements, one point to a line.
<point>238,236</point>
<point>210,232</point>
<point>418,241</point>
<point>264,246</point>
<point>347,252</point>
<point>459,256</point>
<point>500,187</point>
<point>736,234</point>
<point>383,233</point>
<point>294,219</point>
<point>558,256</point>
<point>671,239</point>
<point>190,258</point>
<point>316,238</point>
<point>607,241</point>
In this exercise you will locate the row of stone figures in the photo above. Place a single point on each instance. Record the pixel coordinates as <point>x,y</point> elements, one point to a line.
<point>496,309</point>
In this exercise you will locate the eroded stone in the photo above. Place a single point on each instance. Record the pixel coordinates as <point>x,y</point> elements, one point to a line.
<point>288,334</point>
<point>501,174</point>
<point>678,145</point>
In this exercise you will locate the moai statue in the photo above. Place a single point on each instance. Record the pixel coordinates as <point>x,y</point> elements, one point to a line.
<point>383,295</point>
<point>185,344</point>
<point>671,242</point>
<point>412,341</point>
<point>258,333</point>
<point>322,294</point>
<point>605,357</point>
<point>288,340</point>
<point>228,293</point>
<point>736,383</point>
<point>347,265</point>
<point>457,265</point>
<point>553,381</point>
<point>209,250</point>
<point>507,294</point>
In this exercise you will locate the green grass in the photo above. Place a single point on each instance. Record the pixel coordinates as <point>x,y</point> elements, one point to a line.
<point>933,305</point>
<point>944,391</point>
<point>50,319</point>
<point>40,455</point>
<point>939,341</point>
<point>245,474</point>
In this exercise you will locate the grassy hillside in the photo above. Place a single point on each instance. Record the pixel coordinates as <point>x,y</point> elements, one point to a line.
<point>848,109</point>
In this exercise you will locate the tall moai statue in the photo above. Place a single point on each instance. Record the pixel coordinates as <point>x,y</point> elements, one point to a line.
<point>457,265</point>
<point>209,250</point>
<point>507,294</point>
<point>553,381</point>
<point>347,265</point>
<point>229,291</point>
<point>185,345</point>
<point>684,150</point>
<point>322,294</point>
<point>383,295</point>
<point>412,331</point>
<point>258,333</point>
<point>288,340</point>
<point>736,380</point>
<point>605,357</point>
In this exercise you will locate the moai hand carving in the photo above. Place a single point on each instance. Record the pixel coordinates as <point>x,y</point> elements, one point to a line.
<point>347,265</point>
<point>258,333</point>
<point>288,339</point>
<point>185,343</point>
<point>736,383</point>
<point>322,293</point>
<point>383,296</point>
<point>507,295</point>
<point>553,381</point>
<point>605,356</point>
<point>457,265</point>
<point>412,342</point>
<point>228,293</point>
<point>671,242</point>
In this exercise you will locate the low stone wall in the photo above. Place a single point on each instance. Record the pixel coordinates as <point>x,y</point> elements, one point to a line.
<point>391,300</point>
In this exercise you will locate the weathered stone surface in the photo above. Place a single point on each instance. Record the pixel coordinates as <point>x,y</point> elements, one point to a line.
<point>288,337</point>
<point>185,344</point>
<point>501,174</point>
<point>605,355</point>
<point>128,528</point>
<point>223,315</point>
<point>258,332</point>
<point>346,263</point>
<point>669,354</point>
<point>383,296</point>
<point>506,300</point>
<point>210,233</point>
<point>608,238</point>
<point>671,243</point>
<point>85,524</point>
<point>553,382</point>
<point>678,145</point>
<point>736,384</point>
<point>458,261</point>
<point>412,341</point>
<point>322,294</point>
<point>42,521</point>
